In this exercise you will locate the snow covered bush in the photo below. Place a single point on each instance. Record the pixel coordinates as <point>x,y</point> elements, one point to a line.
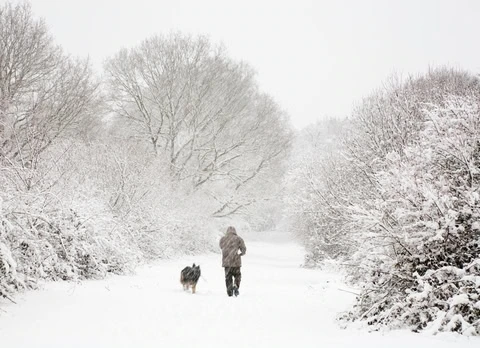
<point>319,181</point>
<point>9,281</point>
<point>422,231</point>
<point>394,198</point>
<point>50,241</point>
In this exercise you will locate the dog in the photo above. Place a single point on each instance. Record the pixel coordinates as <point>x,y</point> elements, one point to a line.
<point>189,277</point>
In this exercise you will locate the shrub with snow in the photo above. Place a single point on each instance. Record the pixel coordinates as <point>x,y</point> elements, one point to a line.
<point>423,228</point>
<point>400,201</point>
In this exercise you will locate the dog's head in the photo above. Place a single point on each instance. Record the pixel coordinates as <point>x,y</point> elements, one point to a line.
<point>196,270</point>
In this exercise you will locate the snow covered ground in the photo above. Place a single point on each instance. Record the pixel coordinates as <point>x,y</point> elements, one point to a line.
<point>280,305</point>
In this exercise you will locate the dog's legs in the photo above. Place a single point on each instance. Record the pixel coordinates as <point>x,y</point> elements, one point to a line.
<point>194,288</point>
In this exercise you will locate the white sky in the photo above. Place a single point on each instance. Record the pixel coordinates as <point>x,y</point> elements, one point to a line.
<point>317,58</point>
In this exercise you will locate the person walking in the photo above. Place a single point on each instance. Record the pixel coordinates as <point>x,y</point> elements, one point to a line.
<point>233,248</point>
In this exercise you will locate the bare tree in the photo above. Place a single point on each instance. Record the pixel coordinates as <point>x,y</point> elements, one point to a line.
<point>44,94</point>
<point>200,110</point>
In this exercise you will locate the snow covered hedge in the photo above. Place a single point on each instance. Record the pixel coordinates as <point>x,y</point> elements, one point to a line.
<point>87,226</point>
<point>41,239</point>
<point>402,200</point>
<point>430,208</point>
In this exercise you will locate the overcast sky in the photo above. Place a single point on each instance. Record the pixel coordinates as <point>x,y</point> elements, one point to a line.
<point>317,58</point>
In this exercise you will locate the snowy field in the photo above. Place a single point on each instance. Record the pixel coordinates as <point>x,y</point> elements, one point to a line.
<point>280,305</point>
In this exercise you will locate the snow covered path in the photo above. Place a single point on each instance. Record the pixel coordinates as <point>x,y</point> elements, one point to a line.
<point>280,305</point>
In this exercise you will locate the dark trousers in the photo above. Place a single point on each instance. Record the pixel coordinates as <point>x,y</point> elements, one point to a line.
<point>230,273</point>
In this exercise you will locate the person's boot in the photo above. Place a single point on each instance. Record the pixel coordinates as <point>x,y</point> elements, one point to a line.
<point>229,293</point>
<point>235,291</point>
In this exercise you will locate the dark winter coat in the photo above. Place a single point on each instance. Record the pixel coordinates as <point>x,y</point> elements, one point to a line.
<point>233,247</point>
